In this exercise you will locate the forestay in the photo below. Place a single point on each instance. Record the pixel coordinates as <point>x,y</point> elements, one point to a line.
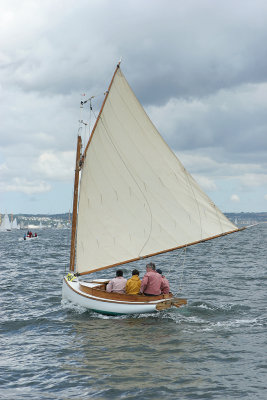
<point>136,198</point>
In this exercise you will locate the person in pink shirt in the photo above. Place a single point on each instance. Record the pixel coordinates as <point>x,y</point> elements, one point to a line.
<point>152,283</point>
<point>118,284</point>
<point>166,285</point>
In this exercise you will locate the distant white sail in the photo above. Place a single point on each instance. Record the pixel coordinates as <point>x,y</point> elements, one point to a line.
<point>136,198</point>
<point>14,224</point>
<point>59,225</point>
<point>6,225</point>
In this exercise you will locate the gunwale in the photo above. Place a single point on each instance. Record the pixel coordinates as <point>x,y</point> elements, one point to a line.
<point>100,292</point>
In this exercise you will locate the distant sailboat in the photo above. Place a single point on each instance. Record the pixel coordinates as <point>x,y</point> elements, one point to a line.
<point>14,224</point>
<point>6,225</point>
<point>136,200</point>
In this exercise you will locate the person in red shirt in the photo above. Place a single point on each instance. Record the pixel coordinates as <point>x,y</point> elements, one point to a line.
<point>152,283</point>
<point>117,285</point>
<point>166,285</point>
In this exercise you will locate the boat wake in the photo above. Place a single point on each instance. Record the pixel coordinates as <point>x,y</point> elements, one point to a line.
<point>68,305</point>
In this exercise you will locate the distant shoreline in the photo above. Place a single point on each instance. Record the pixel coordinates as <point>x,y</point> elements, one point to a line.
<point>64,219</point>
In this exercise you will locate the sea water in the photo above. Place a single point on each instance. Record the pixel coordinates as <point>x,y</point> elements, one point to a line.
<point>213,348</point>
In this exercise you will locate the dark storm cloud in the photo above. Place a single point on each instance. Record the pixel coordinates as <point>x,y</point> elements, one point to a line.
<point>198,66</point>
<point>169,49</point>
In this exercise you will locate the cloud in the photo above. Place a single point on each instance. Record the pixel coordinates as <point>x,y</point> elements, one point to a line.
<point>253,180</point>
<point>265,196</point>
<point>235,198</point>
<point>59,166</point>
<point>203,84</point>
<point>24,186</point>
<point>205,182</point>
<point>225,119</point>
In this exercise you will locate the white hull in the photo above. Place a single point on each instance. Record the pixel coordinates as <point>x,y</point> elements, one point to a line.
<point>30,238</point>
<point>71,291</point>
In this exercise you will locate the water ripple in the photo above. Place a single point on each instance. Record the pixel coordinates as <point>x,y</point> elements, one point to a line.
<point>210,349</point>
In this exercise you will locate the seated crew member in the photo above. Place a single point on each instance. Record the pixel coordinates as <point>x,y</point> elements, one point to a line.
<point>152,283</point>
<point>117,285</point>
<point>166,285</point>
<point>134,283</point>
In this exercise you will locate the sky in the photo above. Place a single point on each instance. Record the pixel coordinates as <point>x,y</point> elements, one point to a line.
<point>199,68</point>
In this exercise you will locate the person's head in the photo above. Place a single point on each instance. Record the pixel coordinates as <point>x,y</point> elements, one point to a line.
<point>150,267</point>
<point>135,272</point>
<point>159,271</point>
<point>119,272</point>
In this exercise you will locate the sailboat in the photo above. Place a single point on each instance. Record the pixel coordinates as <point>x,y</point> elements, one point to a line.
<point>15,224</point>
<point>133,199</point>
<point>6,224</point>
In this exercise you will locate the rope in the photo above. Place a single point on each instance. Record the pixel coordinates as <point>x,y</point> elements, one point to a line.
<point>180,286</point>
<point>82,104</point>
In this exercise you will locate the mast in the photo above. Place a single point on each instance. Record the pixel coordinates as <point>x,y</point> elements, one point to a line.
<point>76,180</point>
<point>75,203</point>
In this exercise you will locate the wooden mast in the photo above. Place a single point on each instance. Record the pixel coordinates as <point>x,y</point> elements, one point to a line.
<point>76,180</point>
<point>75,203</point>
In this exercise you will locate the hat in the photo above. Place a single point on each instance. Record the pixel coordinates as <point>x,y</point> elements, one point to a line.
<point>159,271</point>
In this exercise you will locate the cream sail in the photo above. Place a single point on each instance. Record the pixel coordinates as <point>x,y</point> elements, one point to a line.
<point>136,198</point>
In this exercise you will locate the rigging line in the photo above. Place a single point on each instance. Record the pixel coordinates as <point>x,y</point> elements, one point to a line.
<point>90,108</point>
<point>137,184</point>
<point>90,116</point>
<point>178,259</point>
<point>180,286</point>
<point>218,253</point>
<point>90,98</point>
<point>94,113</point>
